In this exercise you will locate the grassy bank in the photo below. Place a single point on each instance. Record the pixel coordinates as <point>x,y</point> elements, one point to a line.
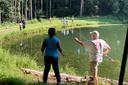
<point>10,69</point>
<point>10,66</point>
<point>78,21</point>
<point>44,24</point>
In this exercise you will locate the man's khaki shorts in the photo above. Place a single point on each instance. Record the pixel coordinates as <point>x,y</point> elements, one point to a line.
<point>94,66</point>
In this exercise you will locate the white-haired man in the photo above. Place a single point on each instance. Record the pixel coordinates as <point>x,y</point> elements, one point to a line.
<point>97,48</point>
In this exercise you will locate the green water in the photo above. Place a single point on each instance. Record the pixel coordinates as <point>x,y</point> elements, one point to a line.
<point>76,56</point>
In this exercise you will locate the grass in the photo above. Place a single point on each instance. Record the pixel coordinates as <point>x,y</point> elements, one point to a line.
<point>11,67</point>
<point>57,22</point>
<point>44,24</point>
<point>15,62</point>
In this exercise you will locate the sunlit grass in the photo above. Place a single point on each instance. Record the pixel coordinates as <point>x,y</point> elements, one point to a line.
<point>32,24</point>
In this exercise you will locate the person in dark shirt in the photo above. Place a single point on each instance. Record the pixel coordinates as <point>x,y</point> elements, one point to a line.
<point>24,24</point>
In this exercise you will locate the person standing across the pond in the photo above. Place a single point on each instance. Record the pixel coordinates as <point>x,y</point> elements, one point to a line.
<point>72,18</point>
<point>51,46</point>
<point>97,48</point>
<point>24,24</point>
<point>21,25</point>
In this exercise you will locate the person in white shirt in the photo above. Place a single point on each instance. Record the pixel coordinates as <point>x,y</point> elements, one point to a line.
<point>97,48</point>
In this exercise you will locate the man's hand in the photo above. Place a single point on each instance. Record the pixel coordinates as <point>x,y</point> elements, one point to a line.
<point>106,51</point>
<point>76,39</point>
<point>79,41</point>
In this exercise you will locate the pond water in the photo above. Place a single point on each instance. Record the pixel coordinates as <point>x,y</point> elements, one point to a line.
<point>76,56</point>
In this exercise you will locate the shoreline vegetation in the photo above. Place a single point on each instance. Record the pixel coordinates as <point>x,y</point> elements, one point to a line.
<point>11,64</point>
<point>35,25</point>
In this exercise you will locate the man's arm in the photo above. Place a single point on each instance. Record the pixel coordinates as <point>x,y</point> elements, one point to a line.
<point>79,41</point>
<point>43,46</point>
<point>60,48</point>
<point>106,51</point>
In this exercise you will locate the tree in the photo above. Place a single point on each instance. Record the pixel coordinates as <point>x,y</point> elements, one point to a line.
<point>81,7</point>
<point>18,11</point>
<point>125,7</point>
<point>50,8</point>
<point>35,9</point>
<point>0,15</point>
<point>22,8</point>
<point>30,10</point>
<point>26,9</point>
<point>41,5</point>
<point>13,10</point>
<point>70,3</point>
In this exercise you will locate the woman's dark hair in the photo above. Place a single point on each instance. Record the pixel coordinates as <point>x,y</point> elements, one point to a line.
<point>51,32</point>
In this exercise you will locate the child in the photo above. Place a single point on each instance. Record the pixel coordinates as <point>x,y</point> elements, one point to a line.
<point>97,49</point>
<point>51,45</point>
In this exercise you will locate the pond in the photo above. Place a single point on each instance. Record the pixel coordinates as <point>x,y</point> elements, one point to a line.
<point>76,56</point>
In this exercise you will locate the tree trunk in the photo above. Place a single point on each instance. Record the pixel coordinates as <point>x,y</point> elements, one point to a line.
<point>35,9</point>
<point>70,4</point>
<point>47,8</point>
<point>81,7</point>
<point>26,9</point>
<point>66,2</point>
<point>50,9</point>
<point>64,77</point>
<point>69,78</point>
<point>22,9</point>
<point>18,12</point>
<point>0,15</point>
<point>30,9</point>
<point>15,14</point>
<point>11,10</point>
<point>41,5</point>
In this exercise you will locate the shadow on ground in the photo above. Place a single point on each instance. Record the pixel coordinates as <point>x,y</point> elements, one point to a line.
<point>17,81</point>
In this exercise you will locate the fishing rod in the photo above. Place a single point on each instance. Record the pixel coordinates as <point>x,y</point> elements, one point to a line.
<point>111,59</point>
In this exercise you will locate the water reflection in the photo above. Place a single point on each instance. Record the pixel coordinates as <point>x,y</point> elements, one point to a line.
<point>66,32</point>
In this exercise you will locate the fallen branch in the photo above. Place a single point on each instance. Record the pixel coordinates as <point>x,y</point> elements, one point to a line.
<point>64,77</point>
<point>69,78</point>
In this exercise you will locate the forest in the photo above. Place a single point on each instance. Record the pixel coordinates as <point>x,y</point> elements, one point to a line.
<point>14,10</point>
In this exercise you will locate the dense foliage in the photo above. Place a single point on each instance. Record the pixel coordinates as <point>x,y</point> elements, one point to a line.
<point>14,10</point>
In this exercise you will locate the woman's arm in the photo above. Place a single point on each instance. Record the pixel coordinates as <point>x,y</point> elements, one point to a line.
<point>43,46</point>
<point>60,48</point>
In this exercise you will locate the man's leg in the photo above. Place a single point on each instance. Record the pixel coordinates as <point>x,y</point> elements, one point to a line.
<point>46,69</point>
<point>20,28</point>
<point>96,75</point>
<point>91,68</point>
<point>94,69</point>
<point>56,69</point>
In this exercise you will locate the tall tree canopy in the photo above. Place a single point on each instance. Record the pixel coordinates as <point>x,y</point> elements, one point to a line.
<point>14,10</point>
